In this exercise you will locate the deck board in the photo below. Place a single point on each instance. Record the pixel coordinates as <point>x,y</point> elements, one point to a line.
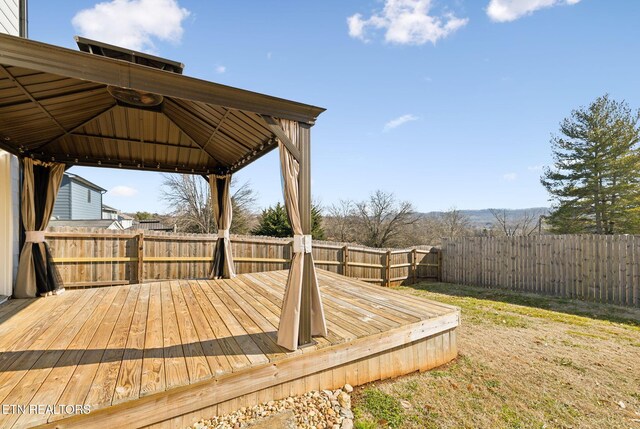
<point>109,347</point>
<point>104,383</point>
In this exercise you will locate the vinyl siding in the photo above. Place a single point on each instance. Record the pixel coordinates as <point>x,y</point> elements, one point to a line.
<point>9,178</point>
<point>9,17</point>
<point>81,208</point>
<point>8,221</point>
<point>62,207</point>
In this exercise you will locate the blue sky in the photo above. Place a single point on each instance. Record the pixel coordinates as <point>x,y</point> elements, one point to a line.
<point>443,102</point>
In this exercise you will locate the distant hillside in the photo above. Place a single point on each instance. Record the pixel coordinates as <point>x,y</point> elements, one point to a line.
<point>484,218</point>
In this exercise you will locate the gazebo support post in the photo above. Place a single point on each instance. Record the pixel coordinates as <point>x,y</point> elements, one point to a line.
<point>304,200</point>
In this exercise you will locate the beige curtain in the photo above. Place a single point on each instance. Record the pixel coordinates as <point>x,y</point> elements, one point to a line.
<point>290,315</point>
<point>36,273</point>
<point>222,214</point>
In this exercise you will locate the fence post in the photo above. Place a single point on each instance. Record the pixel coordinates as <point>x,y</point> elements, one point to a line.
<point>414,264</point>
<point>140,243</point>
<point>345,261</point>
<point>440,264</point>
<point>388,268</point>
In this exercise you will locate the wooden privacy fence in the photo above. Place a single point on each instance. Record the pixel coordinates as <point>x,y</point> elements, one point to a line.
<point>604,268</point>
<point>91,257</point>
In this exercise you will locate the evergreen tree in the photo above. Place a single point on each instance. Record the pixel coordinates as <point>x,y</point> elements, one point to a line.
<point>273,222</point>
<point>595,180</point>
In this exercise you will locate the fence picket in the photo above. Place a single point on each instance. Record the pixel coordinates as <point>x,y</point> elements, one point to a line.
<point>589,267</point>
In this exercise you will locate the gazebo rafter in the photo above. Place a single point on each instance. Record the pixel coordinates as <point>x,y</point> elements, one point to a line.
<point>76,128</point>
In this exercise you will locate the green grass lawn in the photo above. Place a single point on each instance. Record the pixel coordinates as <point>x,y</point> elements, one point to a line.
<point>526,361</point>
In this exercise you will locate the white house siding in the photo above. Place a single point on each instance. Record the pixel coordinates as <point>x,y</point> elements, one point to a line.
<point>9,178</point>
<point>9,17</point>
<point>9,194</point>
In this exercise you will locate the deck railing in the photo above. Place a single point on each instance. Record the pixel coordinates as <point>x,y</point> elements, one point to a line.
<point>91,257</point>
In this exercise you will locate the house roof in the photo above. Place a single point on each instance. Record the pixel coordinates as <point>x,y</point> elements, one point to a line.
<point>85,182</point>
<point>151,225</point>
<point>108,208</point>
<point>58,104</point>
<point>88,223</point>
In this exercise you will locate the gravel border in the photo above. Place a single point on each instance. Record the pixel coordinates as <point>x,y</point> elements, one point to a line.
<point>324,409</point>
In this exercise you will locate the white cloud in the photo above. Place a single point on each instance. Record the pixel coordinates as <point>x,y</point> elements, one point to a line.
<point>133,24</point>
<point>401,120</point>
<point>221,69</point>
<point>123,191</point>
<point>406,22</point>
<point>510,10</point>
<point>510,177</point>
<point>535,167</point>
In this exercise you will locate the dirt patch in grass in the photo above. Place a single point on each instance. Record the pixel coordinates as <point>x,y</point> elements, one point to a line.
<point>526,361</point>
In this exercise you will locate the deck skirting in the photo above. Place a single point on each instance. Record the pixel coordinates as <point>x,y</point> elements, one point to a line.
<point>418,347</point>
<point>420,355</point>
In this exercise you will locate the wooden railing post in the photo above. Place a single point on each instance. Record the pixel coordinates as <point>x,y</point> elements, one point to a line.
<point>140,240</point>
<point>414,264</point>
<point>388,268</point>
<point>345,261</point>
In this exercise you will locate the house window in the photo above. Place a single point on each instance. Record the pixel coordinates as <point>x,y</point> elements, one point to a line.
<point>88,195</point>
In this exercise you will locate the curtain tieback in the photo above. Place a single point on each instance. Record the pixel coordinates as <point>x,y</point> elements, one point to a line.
<point>34,237</point>
<point>223,233</point>
<point>301,244</point>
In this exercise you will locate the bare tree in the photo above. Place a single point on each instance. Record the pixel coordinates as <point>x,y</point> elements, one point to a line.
<point>383,219</point>
<point>243,201</point>
<point>453,223</point>
<point>510,226</point>
<point>188,196</point>
<point>341,222</point>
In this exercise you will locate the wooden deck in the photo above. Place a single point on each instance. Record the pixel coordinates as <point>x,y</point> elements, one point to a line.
<point>162,354</point>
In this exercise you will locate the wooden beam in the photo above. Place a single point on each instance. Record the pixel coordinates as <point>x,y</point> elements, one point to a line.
<point>63,260</point>
<point>345,261</point>
<point>140,261</point>
<point>119,164</point>
<point>82,235</point>
<point>215,131</point>
<point>277,130</point>
<point>190,137</point>
<point>96,284</point>
<point>304,204</point>
<point>206,122</point>
<point>414,262</point>
<point>76,128</point>
<point>32,98</point>
<point>388,268</point>
<point>125,140</point>
<point>268,146</point>
<point>362,264</point>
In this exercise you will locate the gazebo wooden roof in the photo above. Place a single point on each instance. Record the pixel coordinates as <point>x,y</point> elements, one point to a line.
<point>57,104</point>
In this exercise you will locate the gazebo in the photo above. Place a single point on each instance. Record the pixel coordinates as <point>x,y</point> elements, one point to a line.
<point>168,353</point>
<point>105,106</point>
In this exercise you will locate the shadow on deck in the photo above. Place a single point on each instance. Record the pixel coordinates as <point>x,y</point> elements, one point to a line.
<point>165,354</point>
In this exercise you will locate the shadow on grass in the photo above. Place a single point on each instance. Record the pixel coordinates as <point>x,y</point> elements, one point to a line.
<point>612,313</point>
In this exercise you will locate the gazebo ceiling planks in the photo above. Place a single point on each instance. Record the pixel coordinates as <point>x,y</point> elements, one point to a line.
<point>55,105</point>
